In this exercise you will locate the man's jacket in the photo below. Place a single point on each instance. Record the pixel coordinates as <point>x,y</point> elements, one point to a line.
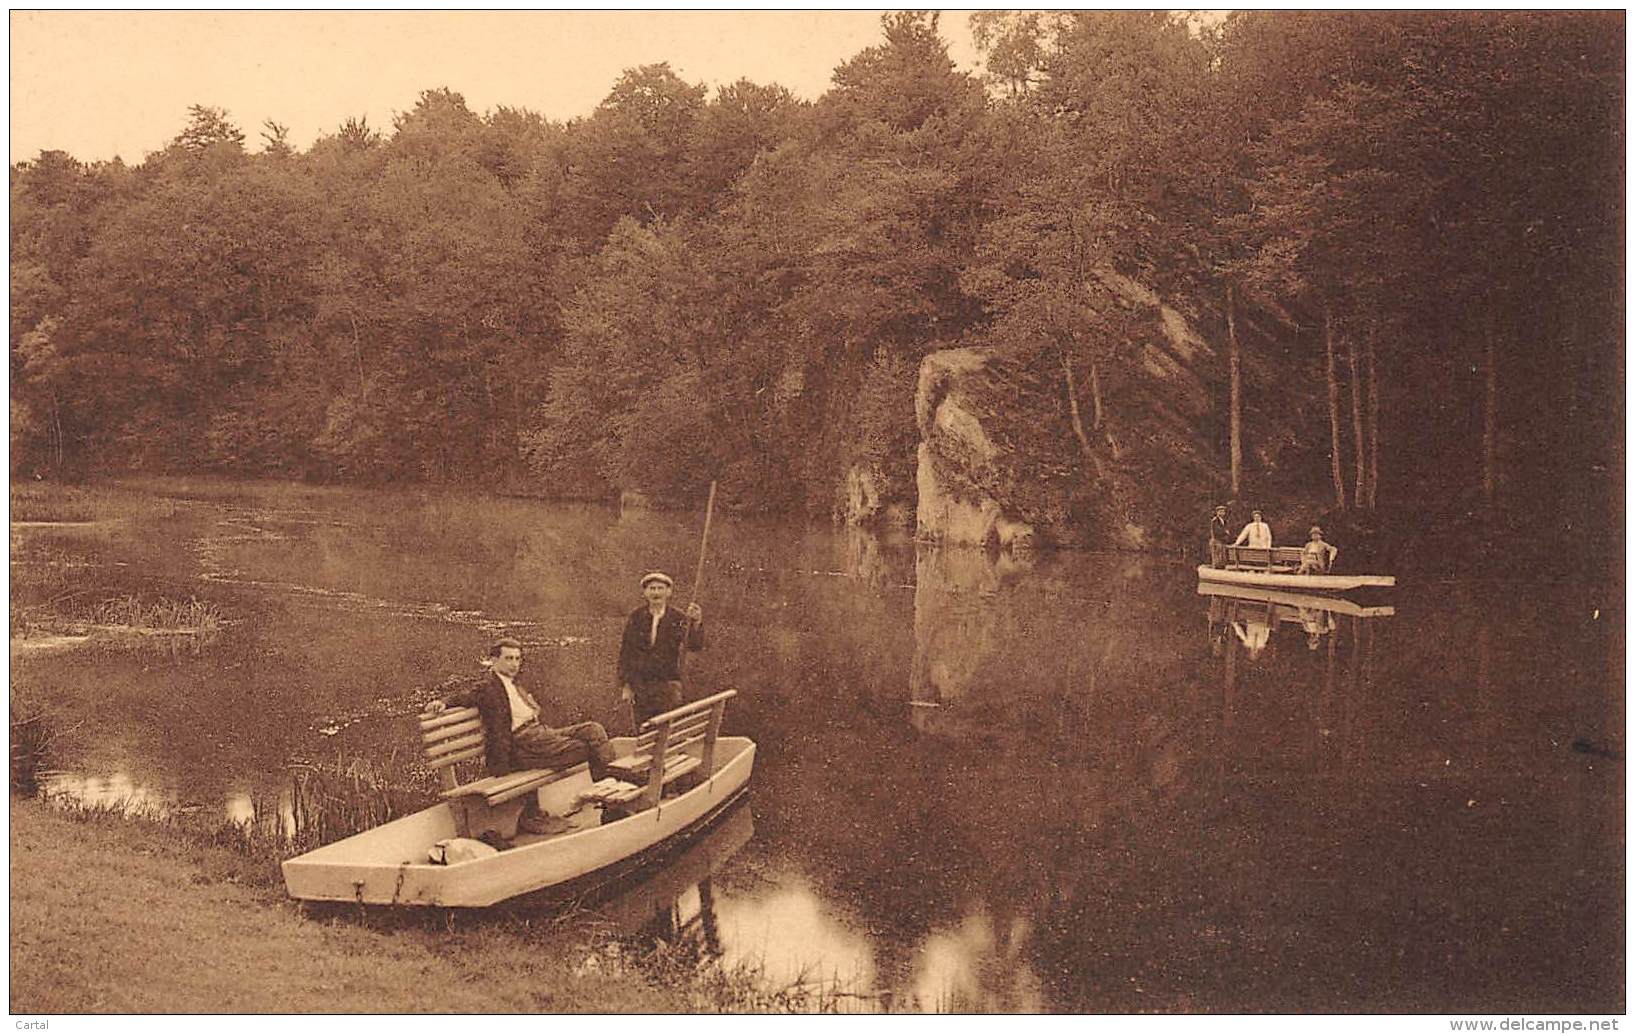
<point>487,692</point>
<point>660,660</point>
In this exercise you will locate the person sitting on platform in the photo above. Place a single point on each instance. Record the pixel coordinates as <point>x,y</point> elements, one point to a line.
<point>515,736</point>
<point>1316,556</point>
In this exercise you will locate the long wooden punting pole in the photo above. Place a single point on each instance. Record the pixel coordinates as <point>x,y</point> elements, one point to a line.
<point>698,578</point>
<point>704,544</point>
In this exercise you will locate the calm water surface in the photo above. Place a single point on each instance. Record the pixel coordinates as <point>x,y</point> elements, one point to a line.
<point>1066,784</point>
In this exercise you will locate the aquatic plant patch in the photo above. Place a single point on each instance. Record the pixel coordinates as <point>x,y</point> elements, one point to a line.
<point>157,613</point>
<point>36,732</point>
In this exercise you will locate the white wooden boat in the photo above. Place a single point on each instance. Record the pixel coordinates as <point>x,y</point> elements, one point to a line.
<point>1295,600</point>
<point>391,864</point>
<point>1290,580</point>
<point>1274,567</point>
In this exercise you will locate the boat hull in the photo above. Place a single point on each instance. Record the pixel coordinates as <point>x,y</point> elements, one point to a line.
<point>388,865</point>
<point>1299,582</point>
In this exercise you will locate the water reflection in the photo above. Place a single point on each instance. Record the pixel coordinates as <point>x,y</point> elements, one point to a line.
<point>1251,615</point>
<point>274,814</point>
<point>117,792</point>
<point>979,966</point>
<point>775,925</point>
<point>792,935</point>
<point>1026,784</point>
<point>122,793</point>
<point>675,903</point>
<point>961,622</point>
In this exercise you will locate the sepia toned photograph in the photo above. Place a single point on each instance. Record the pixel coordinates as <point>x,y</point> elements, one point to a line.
<point>1113,514</point>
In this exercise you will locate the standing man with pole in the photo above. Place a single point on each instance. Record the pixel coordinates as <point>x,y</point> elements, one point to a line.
<point>1218,537</point>
<point>650,652</point>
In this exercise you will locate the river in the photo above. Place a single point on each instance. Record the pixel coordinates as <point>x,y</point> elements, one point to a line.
<point>1071,783</point>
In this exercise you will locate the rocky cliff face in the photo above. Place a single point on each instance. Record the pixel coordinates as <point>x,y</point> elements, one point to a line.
<point>961,466</point>
<point>1000,463</point>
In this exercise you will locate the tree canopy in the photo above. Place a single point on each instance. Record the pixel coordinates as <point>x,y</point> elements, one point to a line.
<point>1419,213</point>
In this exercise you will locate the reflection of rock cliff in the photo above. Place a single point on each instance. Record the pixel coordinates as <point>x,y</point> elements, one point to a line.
<point>1056,657</point>
<point>959,623</point>
<point>1000,462</point>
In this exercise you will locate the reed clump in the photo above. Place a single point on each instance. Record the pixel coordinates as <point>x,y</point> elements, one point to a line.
<point>334,800</point>
<point>324,802</point>
<point>36,732</point>
<point>46,501</point>
<point>159,614</point>
<point>711,984</point>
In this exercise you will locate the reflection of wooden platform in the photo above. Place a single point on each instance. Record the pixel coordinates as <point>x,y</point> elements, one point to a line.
<point>1303,601</point>
<point>630,910</point>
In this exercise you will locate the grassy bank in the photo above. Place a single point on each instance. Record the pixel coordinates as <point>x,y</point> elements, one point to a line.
<point>116,916</point>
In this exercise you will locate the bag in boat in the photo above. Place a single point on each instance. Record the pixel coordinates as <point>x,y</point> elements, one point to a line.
<point>459,849</point>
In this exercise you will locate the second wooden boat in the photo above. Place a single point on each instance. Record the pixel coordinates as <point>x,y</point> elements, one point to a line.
<point>1276,579</point>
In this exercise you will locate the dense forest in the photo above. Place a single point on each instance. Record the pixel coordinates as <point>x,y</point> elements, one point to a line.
<point>1401,231</point>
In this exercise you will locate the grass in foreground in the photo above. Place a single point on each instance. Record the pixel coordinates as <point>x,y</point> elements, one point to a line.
<point>117,916</point>
<point>200,923</point>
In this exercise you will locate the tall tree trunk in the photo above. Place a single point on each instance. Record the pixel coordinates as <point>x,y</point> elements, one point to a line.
<point>56,428</point>
<point>1095,395</point>
<point>1235,365</point>
<point>1073,404</point>
<point>1373,424</point>
<point>1490,415</point>
<point>1354,359</point>
<point>1333,411</point>
<point>357,345</point>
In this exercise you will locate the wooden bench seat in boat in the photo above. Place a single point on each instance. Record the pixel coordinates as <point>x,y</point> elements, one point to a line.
<point>1262,558</point>
<point>682,739</point>
<point>491,803</point>
<point>674,750</point>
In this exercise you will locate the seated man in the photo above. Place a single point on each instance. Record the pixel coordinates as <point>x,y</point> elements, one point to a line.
<point>1316,556</point>
<point>515,737</point>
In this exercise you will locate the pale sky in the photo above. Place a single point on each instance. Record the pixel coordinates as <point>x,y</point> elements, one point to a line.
<point>103,83</point>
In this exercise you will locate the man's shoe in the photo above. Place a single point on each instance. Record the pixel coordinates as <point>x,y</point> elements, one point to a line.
<point>543,825</point>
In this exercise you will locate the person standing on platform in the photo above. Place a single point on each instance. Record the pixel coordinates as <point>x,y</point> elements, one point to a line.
<point>650,650</point>
<point>1218,537</point>
<point>1257,534</point>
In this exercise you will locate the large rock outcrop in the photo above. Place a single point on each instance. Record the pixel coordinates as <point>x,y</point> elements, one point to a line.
<point>1001,463</point>
<point>961,468</point>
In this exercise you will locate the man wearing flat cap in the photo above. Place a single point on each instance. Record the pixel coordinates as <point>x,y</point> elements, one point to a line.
<point>650,652</point>
<point>1218,537</point>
